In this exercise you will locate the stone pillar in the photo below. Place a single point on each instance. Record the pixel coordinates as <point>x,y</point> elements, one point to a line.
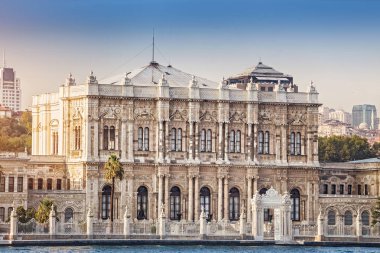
<point>284,145</point>
<point>309,144</point>
<point>249,197</point>
<point>90,228</point>
<point>161,223</point>
<point>13,224</point>
<point>191,140</point>
<point>191,200</point>
<point>242,225</point>
<point>226,132</point>
<point>320,226</point>
<point>255,181</point>
<point>96,139</point>
<point>127,224</point>
<point>160,142</point>
<point>278,145</point>
<point>220,143</point>
<point>202,224</point>
<point>166,195</point>
<point>220,198</point>
<point>359,227</point>
<point>257,222</point>
<point>196,196</point>
<point>160,191</point>
<point>255,144</point>
<point>7,183</point>
<point>196,148</point>
<point>15,180</point>
<point>226,198</point>
<point>52,223</point>
<point>123,140</point>
<point>130,141</point>
<point>167,142</point>
<point>249,143</point>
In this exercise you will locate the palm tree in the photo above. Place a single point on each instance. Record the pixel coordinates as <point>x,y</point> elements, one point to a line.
<point>114,169</point>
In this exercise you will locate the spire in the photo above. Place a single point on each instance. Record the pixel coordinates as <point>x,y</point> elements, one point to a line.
<point>153,47</point>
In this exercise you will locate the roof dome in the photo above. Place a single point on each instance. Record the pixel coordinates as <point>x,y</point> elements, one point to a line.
<point>363,126</point>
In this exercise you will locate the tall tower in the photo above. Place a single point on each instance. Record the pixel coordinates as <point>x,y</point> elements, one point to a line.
<point>10,91</point>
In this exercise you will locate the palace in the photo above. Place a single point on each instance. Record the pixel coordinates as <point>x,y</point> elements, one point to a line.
<point>189,146</point>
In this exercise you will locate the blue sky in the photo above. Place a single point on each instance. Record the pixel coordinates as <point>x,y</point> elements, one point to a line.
<point>335,43</point>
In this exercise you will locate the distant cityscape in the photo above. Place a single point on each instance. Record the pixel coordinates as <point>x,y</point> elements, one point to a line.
<point>362,121</point>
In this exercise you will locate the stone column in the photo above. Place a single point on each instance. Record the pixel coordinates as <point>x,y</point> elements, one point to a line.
<point>15,180</point>
<point>52,223</point>
<point>6,183</point>
<point>13,224</point>
<point>278,145</point>
<point>202,224</point>
<point>191,134</point>
<point>226,198</point>
<point>96,138</point>
<point>161,223</point>
<point>196,196</point>
<point>249,143</point>
<point>127,224</point>
<point>255,144</point>
<point>220,143</point>
<point>255,181</point>
<point>167,142</point>
<point>242,225</point>
<point>309,144</point>
<point>160,142</point>
<point>226,132</point>
<point>90,229</point>
<point>123,140</point>
<point>167,195</point>
<point>284,145</point>
<point>130,141</point>
<point>196,148</point>
<point>249,197</point>
<point>359,227</point>
<point>320,225</point>
<point>220,198</point>
<point>160,192</point>
<point>191,200</point>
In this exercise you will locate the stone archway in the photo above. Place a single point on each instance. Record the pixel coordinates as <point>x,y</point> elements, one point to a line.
<point>282,221</point>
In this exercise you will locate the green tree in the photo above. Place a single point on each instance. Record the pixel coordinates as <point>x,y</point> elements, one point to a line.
<point>114,169</point>
<point>376,148</point>
<point>376,213</point>
<point>25,215</point>
<point>344,148</point>
<point>43,211</point>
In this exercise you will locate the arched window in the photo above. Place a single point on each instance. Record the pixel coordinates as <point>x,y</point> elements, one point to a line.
<point>179,139</point>
<point>146,139</point>
<point>295,200</point>
<point>112,138</point>
<point>205,200</point>
<point>30,183</point>
<point>292,143</point>
<point>234,204</point>
<point>298,144</point>
<point>40,182</point>
<point>79,138</point>
<point>266,210</point>
<point>347,218</point>
<point>331,218</point>
<point>263,191</point>
<point>173,139</point>
<point>106,202</point>
<point>49,185</point>
<point>140,138</point>
<point>261,142</point>
<point>238,141</point>
<point>209,141</point>
<point>203,140</point>
<point>142,203</point>
<point>365,218</point>
<point>76,138</point>
<point>175,203</point>
<point>105,138</point>
<point>69,215</point>
<point>232,141</point>
<point>266,143</point>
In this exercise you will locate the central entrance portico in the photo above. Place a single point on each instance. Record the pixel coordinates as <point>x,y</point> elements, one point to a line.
<point>281,204</point>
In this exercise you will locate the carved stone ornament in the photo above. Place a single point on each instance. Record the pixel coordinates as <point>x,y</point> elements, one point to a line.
<point>178,115</point>
<point>297,119</point>
<point>265,117</point>
<point>77,113</point>
<point>110,113</point>
<point>143,114</point>
<point>237,117</point>
<point>208,116</point>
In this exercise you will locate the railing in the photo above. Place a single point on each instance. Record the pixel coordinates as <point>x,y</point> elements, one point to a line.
<point>71,228</point>
<point>349,230</point>
<point>146,227</point>
<point>332,230</point>
<point>32,227</point>
<point>304,230</point>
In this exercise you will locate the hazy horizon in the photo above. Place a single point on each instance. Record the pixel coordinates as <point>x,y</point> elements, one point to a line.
<point>333,43</point>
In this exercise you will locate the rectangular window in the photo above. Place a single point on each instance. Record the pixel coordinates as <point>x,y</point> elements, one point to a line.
<point>20,184</point>
<point>2,214</point>
<point>341,189</point>
<point>366,191</point>
<point>39,183</point>
<point>203,140</point>
<point>209,141</point>
<point>2,184</point>
<point>11,184</point>
<point>333,189</point>
<point>30,183</point>
<point>49,185</point>
<point>59,184</point>
<point>173,139</point>
<point>349,189</point>
<point>359,189</point>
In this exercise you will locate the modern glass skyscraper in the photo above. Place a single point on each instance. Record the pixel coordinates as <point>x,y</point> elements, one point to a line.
<point>10,91</point>
<point>364,114</point>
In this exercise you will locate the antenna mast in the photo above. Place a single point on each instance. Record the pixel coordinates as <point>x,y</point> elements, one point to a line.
<point>153,47</point>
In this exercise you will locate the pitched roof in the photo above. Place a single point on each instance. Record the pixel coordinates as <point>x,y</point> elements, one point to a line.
<point>151,74</point>
<point>263,71</point>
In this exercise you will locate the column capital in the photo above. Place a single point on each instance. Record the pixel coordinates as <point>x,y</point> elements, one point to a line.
<point>249,177</point>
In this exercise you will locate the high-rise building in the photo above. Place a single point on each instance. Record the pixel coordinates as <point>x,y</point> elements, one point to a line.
<point>341,116</point>
<point>364,114</point>
<point>10,91</point>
